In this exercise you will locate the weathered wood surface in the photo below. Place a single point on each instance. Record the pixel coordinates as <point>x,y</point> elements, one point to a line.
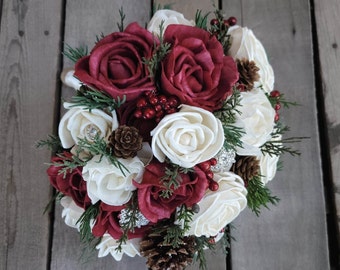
<point>29,62</point>
<point>328,34</point>
<point>290,236</point>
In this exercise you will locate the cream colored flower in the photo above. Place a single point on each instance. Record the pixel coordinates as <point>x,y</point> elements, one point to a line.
<point>108,245</point>
<point>188,137</point>
<point>268,164</point>
<point>168,17</point>
<point>257,119</point>
<point>71,212</point>
<point>110,184</point>
<point>219,208</point>
<point>80,123</point>
<point>244,44</point>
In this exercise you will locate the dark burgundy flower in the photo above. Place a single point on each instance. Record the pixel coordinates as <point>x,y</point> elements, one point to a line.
<point>154,206</point>
<point>108,222</point>
<point>71,183</point>
<point>196,69</point>
<point>115,64</point>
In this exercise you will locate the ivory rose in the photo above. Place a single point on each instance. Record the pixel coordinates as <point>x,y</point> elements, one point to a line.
<point>188,137</point>
<point>219,208</point>
<point>108,245</point>
<point>257,118</point>
<point>80,123</point>
<point>244,44</point>
<point>268,163</point>
<point>168,17</point>
<point>71,212</point>
<point>108,183</point>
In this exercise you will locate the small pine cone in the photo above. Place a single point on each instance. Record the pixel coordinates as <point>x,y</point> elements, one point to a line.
<point>248,73</point>
<point>246,167</point>
<point>164,256</point>
<point>125,142</point>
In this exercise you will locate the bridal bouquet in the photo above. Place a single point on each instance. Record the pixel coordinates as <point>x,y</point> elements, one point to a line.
<point>173,131</point>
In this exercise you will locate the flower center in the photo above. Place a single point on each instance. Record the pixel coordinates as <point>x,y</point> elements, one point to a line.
<point>92,131</point>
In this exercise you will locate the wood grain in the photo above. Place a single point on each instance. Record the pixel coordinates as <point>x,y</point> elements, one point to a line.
<point>29,42</point>
<point>84,20</point>
<point>328,46</point>
<point>292,235</point>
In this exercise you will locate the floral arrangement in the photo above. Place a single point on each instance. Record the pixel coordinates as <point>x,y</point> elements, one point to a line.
<point>172,132</point>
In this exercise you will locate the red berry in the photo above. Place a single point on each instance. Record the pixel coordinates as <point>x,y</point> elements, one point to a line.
<point>142,102</point>
<point>162,99</point>
<point>205,166</point>
<point>226,23</point>
<point>158,108</point>
<point>214,22</point>
<point>210,175</point>
<point>213,161</point>
<point>277,117</point>
<point>159,114</point>
<point>153,100</point>
<point>171,110</point>
<point>275,93</point>
<point>277,106</point>
<point>173,102</point>
<point>166,107</point>
<point>138,113</point>
<point>213,185</point>
<point>212,240</point>
<point>149,113</point>
<point>232,21</point>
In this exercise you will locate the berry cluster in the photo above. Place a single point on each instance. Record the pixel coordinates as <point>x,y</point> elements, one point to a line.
<point>275,94</point>
<point>154,106</point>
<point>206,168</point>
<point>227,23</point>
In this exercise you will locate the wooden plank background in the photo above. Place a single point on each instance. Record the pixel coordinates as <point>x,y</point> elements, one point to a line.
<point>302,45</point>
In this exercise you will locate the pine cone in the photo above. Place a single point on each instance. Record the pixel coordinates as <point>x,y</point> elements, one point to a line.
<point>125,142</point>
<point>246,167</point>
<point>165,256</point>
<point>248,73</point>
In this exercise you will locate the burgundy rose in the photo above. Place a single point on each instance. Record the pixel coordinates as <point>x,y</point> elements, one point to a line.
<point>71,184</point>
<point>108,222</point>
<point>154,206</point>
<point>196,69</point>
<point>115,64</point>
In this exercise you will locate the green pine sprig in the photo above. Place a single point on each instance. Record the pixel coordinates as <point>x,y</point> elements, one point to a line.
<point>172,179</point>
<point>99,147</point>
<point>92,99</point>
<point>220,30</point>
<point>84,222</point>
<point>122,18</point>
<point>202,243</point>
<point>259,195</point>
<point>282,100</point>
<point>201,20</point>
<point>131,223</point>
<point>160,52</point>
<point>227,115</point>
<point>276,146</point>
<point>68,164</point>
<point>74,54</point>
<point>52,143</point>
<point>157,7</point>
<point>184,216</point>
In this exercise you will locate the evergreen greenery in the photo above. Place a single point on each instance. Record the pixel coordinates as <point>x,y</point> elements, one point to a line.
<point>92,99</point>
<point>74,54</point>
<point>122,18</point>
<point>160,52</point>
<point>52,143</point>
<point>259,195</point>
<point>201,20</point>
<point>99,147</point>
<point>202,243</point>
<point>84,222</point>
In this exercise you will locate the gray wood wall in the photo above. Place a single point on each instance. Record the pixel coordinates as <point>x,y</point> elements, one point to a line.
<point>301,38</point>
